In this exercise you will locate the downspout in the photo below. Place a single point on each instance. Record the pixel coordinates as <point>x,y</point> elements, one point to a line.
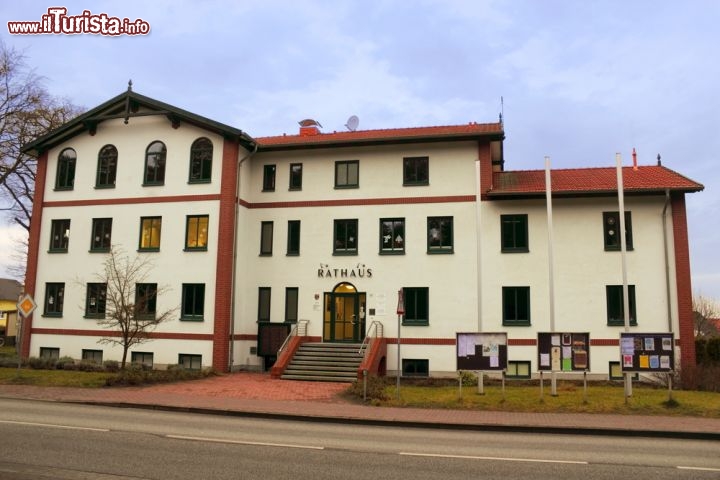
<point>234,255</point>
<point>478,237</point>
<point>667,260</point>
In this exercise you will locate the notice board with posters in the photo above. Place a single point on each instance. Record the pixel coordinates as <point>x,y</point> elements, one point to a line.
<point>563,351</point>
<point>647,352</point>
<point>481,351</point>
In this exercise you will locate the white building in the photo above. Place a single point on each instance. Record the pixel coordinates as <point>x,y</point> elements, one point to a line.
<point>250,233</point>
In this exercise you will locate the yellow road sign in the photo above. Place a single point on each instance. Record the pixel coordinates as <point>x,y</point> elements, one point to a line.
<point>26,305</point>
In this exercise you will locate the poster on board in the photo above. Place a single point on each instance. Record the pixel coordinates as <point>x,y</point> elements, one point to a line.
<point>481,351</point>
<point>563,351</point>
<point>647,352</point>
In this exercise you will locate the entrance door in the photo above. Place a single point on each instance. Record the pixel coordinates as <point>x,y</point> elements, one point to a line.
<point>344,318</point>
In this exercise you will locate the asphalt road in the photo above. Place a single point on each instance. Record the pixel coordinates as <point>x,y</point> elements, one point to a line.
<point>42,440</point>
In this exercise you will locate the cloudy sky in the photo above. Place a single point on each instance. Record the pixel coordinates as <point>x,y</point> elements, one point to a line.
<point>579,80</point>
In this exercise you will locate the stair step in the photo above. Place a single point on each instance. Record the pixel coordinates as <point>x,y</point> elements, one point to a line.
<point>318,378</point>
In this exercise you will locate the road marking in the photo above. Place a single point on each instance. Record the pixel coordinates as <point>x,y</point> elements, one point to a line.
<point>703,469</point>
<point>502,459</point>
<point>241,442</point>
<point>66,427</point>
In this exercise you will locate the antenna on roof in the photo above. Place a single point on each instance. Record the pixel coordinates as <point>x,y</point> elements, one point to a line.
<point>130,85</point>
<point>352,123</point>
<point>659,161</point>
<point>502,109</point>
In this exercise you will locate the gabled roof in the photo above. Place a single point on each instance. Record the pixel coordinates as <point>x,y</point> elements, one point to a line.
<point>470,131</point>
<point>10,289</point>
<point>590,181</point>
<point>127,105</point>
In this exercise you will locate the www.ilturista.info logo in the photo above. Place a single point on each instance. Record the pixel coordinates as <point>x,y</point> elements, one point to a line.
<point>58,22</point>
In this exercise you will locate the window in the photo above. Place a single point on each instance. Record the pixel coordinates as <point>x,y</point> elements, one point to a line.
<point>190,362</point>
<point>615,372</point>
<point>266,238</point>
<point>95,300</point>
<point>415,367</point>
<point>59,235</point>
<point>440,234</point>
<point>101,235</point>
<point>268,178</point>
<point>65,177</point>
<point>611,224</point>
<point>516,306</point>
<point>150,233</point>
<point>196,232</point>
<point>201,153</point>
<point>291,304</point>
<point>50,353</point>
<point>514,233</point>
<point>392,235</point>
<point>295,176</point>
<point>145,300</point>
<point>345,237</point>
<point>293,242</point>
<point>54,296</point>
<point>415,171</point>
<point>417,301</point>
<point>193,301</point>
<point>615,308</point>
<point>155,164</point>
<point>142,358</point>
<point>92,356</point>
<point>107,167</point>
<point>264,304</point>
<point>518,369</point>
<point>347,174</point>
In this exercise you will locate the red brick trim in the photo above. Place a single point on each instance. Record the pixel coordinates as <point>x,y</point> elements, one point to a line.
<point>132,201</point>
<point>605,342</point>
<point>362,201</point>
<point>225,257</point>
<point>518,342</point>
<point>486,170</point>
<point>113,333</point>
<point>686,332</point>
<point>34,248</point>
<point>522,342</point>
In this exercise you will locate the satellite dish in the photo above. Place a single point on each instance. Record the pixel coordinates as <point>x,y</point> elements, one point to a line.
<point>352,123</point>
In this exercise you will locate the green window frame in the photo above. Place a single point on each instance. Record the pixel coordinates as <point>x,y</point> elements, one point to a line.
<point>145,300</point>
<point>291,304</point>
<point>51,353</point>
<point>293,241</point>
<point>514,233</point>
<point>95,300</point>
<point>611,225</point>
<point>145,359</point>
<point>101,239</point>
<point>416,171</point>
<point>54,299</point>
<point>106,167</point>
<point>520,369</point>
<point>92,356</point>
<point>188,361</point>
<point>65,175</point>
<point>150,232</point>
<point>155,160</point>
<point>417,306</point>
<point>295,176</point>
<point>615,305</point>
<point>266,239</point>
<point>201,156</point>
<point>193,302</point>
<point>347,174</point>
<point>440,235</point>
<point>392,236</point>
<point>345,237</point>
<point>516,306</point>
<point>415,367</point>
<point>268,178</point>
<point>196,232</point>
<point>59,235</point>
<point>264,304</point>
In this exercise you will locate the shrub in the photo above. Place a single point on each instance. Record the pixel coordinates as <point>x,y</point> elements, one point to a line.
<point>468,378</point>
<point>65,361</point>
<point>375,388</point>
<point>37,363</point>
<point>111,365</point>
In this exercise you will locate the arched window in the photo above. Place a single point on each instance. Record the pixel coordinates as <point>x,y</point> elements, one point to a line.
<point>155,164</point>
<point>65,177</point>
<point>201,153</point>
<point>107,167</point>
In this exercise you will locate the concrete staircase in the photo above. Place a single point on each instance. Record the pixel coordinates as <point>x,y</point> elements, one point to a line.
<point>326,362</point>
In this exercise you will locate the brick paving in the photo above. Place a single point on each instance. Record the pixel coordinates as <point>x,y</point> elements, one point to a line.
<point>257,394</point>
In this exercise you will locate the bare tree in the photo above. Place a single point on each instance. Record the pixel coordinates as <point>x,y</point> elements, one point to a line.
<point>706,314</point>
<point>27,111</point>
<point>130,311</point>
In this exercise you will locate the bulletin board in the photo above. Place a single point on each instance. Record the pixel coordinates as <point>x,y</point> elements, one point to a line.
<point>481,351</point>
<point>563,351</point>
<point>647,352</point>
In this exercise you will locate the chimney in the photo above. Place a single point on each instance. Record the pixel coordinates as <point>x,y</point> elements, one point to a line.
<point>634,154</point>
<point>309,127</point>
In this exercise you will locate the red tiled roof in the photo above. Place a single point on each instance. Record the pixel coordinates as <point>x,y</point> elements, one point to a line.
<point>590,180</point>
<point>391,135</point>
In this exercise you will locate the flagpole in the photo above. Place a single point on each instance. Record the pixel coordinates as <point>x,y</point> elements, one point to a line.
<point>551,274</point>
<point>623,254</point>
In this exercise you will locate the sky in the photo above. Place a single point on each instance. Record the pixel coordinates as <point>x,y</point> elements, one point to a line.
<point>577,81</point>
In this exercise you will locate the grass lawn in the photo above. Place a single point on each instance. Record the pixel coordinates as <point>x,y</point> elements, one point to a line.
<point>53,378</point>
<point>601,398</point>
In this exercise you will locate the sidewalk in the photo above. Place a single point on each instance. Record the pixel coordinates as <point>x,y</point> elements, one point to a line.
<point>256,394</point>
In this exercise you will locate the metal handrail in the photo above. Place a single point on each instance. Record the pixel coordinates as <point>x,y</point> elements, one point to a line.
<point>374,331</point>
<point>300,328</point>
